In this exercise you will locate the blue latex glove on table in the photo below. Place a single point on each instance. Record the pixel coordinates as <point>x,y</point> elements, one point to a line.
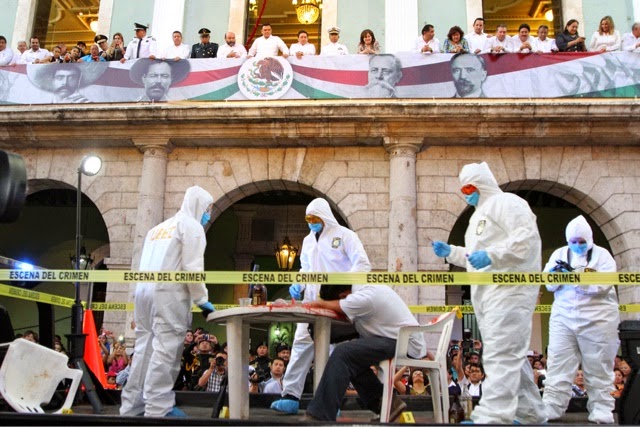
<point>295,291</point>
<point>479,259</point>
<point>441,249</point>
<point>207,308</point>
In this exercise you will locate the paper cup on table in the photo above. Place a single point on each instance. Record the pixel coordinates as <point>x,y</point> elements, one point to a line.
<point>245,302</point>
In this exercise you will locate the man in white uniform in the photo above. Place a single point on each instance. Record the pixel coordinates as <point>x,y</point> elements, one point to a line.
<point>163,310</point>
<point>377,313</point>
<point>177,50</point>
<point>583,328</point>
<point>477,38</point>
<point>502,236</point>
<point>333,48</point>
<point>231,49</point>
<point>268,45</point>
<point>303,47</point>
<point>329,247</point>
<point>142,46</point>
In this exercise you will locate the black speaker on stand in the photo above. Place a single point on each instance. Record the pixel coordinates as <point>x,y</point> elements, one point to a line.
<point>630,400</point>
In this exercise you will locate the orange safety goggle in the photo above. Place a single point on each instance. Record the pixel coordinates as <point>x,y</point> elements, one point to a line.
<point>469,189</point>
<point>312,219</point>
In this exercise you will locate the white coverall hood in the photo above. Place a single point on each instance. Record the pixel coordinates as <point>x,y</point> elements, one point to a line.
<point>579,227</point>
<point>480,176</point>
<point>196,201</point>
<point>320,208</point>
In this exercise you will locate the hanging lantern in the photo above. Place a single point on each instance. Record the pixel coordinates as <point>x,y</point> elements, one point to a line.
<point>308,11</point>
<point>286,255</point>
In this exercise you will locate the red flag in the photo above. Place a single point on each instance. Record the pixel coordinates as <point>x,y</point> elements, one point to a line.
<point>92,356</point>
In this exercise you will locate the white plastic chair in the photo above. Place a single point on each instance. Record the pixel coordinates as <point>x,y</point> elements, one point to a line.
<point>436,369</point>
<point>30,375</point>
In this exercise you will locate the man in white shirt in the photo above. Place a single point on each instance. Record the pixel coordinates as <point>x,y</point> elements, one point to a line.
<point>542,43</point>
<point>35,55</point>
<point>333,48</point>
<point>631,41</point>
<point>303,47</point>
<point>377,313</point>
<point>501,43</point>
<point>17,54</point>
<point>428,43</point>
<point>267,45</point>
<point>231,49</point>
<point>477,38</point>
<point>142,46</point>
<point>6,53</point>
<point>474,382</point>
<point>522,42</point>
<point>178,50</point>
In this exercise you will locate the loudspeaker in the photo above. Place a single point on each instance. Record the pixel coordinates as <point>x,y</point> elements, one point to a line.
<point>13,186</point>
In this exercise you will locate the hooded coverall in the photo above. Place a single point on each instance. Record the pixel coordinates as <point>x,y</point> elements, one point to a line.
<point>503,226</point>
<point>583,329</point>
<point>162,311</point>
<point>335,249</point>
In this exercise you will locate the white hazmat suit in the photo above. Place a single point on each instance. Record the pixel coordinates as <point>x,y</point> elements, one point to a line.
<point>503,226</point>
<point>582,329</point>
<point>336,249</point>
<point>163,310</point>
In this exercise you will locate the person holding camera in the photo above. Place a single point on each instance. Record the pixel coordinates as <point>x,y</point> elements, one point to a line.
<point>212,378</point>
<point>582,328</point>
<point>271,384</point>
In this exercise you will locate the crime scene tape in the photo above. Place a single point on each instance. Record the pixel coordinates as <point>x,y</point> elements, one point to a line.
<point>29,295</point>
<point>275,278</point>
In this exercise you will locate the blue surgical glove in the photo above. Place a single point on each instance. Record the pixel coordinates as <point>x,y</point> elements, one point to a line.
<point>441,249</point>
<point>296,291</point>
<point>207,308</point>
<point>479,259</point>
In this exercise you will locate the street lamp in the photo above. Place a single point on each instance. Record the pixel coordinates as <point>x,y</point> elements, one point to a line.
<point>90,166</point>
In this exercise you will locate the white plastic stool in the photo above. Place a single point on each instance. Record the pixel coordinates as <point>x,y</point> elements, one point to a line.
<point>30,375</point>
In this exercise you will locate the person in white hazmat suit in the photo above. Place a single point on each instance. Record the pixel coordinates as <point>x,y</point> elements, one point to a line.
<point>583,328</point>
<point>163,310</point>
<point>329,247</point>
<point>502,237</point>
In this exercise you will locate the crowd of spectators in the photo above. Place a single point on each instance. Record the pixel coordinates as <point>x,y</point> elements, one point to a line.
<point>605,39</point>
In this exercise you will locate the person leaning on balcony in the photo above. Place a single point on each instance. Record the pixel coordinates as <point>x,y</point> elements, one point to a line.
<point>523,42</point>
<point>6,53</point>
<point>303,47</point>
<point>427,42</point>
<point>231,49</point>
<point>368,44</point>
<point>569,40</point>
<point>477,37</point>
<point>142,46</point>
<point>268,45</point>
<point>631,41</point>
<point>333,48</point>
<point>542,43</point>
<point>607,38</point>
<point>455,41</point>
<point>115,52</point>
<point>501,43</point>
<point>204,49</point>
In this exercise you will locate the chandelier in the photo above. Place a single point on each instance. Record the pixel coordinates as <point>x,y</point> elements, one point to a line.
<point>308,11</point>
<point>286,255</point>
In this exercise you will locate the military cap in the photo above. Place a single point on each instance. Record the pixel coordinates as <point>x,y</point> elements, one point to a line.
<point>100,38</point>
<point>334,30</point>
<point>204,31</point>
<point>282,346</point>
<point>263,343</point>
<point>140,26</point>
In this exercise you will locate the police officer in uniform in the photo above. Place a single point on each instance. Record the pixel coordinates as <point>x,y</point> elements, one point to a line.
<point>204,49</point>
<point>102,41</point>
<point>142,46</point>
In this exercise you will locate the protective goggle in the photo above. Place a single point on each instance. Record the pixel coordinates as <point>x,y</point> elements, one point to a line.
<point>312,219</point>
<point>469,189</point>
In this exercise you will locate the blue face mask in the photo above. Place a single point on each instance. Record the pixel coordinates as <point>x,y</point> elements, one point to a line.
<point>206,217</point>
<point>473,198</point>
<point>316,227</point>
<point>578,248</point>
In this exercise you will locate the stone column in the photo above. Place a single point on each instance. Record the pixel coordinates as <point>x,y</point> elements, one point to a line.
<point>403,233</point>
<point>168,16</point>
<point>474,10</point>
<point>105,15</point>
<point>150,200</point>
<point>329,19</point>
<point>245,251</point>
<point>237,17</point>
<point>23,26</point>
<point>573,10</point>
<point>119,321</point>
<point>401,25</point>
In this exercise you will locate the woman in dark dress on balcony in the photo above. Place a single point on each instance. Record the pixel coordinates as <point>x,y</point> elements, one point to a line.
<point>569,40</point>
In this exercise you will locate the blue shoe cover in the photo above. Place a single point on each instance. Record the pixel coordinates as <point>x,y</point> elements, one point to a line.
<point>287,406</point>
<point>176,413</point>
<point>467,422</point>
